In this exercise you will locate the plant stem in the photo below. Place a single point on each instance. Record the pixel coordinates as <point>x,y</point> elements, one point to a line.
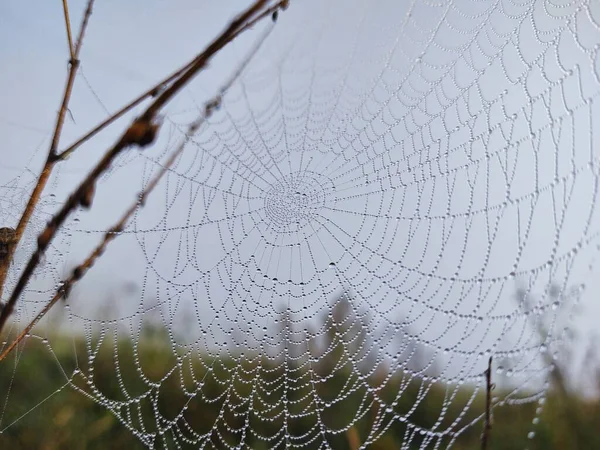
<point>51,159</point>
<point>113,232</point>
<point>68,27</point>
<point>152,92</point>
<point>141,133</point>
<point>487,427</point>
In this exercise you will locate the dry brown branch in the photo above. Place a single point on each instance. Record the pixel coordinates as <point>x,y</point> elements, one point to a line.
<point>51,159</point>
<point>241,23</point>
<point>487,426</point>
<point>159,87</point>
<point>7,241</point>
<point>152,92</point>
<point>140,133</point>
<point>79,271</point>
<point>68,27</point>
<point>74,65</point>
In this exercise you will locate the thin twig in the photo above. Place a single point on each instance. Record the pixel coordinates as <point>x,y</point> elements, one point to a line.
<point>86,18</point>
<point>242,22</point>
<point>487,427</point>
<point>74,65</point>
<point>154,90</point>
<point>141,133</point>
<point>209,107</point>
<point>51,158</point>
<point>68,27</point>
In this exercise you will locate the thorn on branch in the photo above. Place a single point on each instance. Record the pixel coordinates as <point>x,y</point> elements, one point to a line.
<point>157,90</point>
<point>71,116</point>
<point>77,273</point>
<point>283,5</point>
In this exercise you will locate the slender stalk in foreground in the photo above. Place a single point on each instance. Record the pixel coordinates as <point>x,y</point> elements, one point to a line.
<point>68,28</point>
<point>154,90</point>
<point>51,158</point>
<point>141,133</point>
<point>487,427</point>
<point>209,107</point>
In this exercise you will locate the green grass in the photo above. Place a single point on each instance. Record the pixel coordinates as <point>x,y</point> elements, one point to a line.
<point>68,419</point>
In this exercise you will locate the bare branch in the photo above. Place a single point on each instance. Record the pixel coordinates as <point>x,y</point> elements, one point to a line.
<point>141,133</point>
<point>74,65</point>
<point>487,427</point>
<point>152,92</point>
<point>209,107</point>
<point>84,24</point>
<point>156,89</point>
<point>68,27</point>
<point>51,159</point>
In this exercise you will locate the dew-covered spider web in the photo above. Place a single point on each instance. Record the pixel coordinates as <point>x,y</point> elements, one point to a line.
<point>390,194</point>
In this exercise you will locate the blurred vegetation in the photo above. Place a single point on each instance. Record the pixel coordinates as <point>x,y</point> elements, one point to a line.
<point>43,408</point>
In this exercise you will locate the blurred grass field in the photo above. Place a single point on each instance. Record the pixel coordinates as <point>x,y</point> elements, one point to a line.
<point>42,411</point>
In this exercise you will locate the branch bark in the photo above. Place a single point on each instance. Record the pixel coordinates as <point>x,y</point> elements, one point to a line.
<point>209,107</point>
<point>141,133</point>
<point>487,427</point>
<point>153,91</point>
<point>51,158</point>
<point>158,88</point>
<point>68,28</point>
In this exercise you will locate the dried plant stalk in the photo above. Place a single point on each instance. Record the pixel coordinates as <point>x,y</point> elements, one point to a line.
<point>152,92</point>
<point>51,159</point>
<point>141,133</point>
<point>79,271</point>
<point>68,27</point>
<point>487,426</point>
<point>7,242</point>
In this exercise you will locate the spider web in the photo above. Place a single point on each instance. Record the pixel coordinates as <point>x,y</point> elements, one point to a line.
<point>340,245</point>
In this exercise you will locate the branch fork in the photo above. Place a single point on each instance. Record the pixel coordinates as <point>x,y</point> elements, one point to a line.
<point>142,132</point>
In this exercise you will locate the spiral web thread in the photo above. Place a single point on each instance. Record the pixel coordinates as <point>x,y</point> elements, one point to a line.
<point>341,244</point>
